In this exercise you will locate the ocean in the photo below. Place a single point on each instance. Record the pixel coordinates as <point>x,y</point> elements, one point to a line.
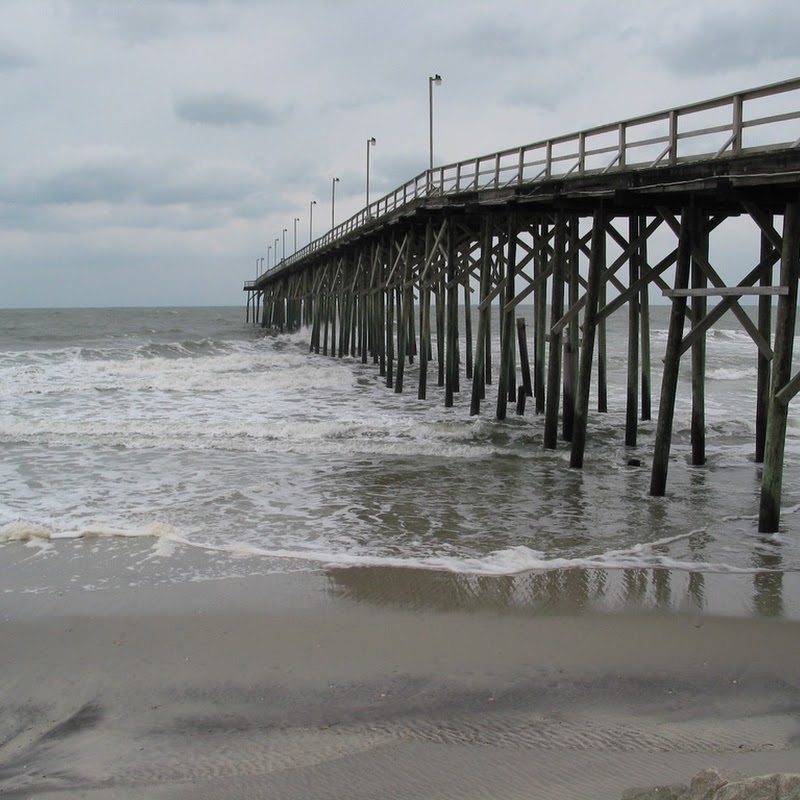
<point>188,430</point>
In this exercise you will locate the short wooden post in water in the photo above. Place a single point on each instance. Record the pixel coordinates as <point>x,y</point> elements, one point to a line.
<point>524,363</point>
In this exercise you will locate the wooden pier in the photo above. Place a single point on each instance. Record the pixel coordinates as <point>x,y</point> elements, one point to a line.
<point>570,225</point>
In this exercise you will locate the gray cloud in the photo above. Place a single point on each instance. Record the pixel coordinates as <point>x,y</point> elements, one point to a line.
<point>141,21</point>
<point>13,58</point>
<point>490,38</point>
<point>193,131</point>
<point>745,37</point>
<point>355,102</point>
<point>224,109</point>
<point>119,178</point>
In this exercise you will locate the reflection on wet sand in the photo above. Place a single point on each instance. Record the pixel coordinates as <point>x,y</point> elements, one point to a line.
<point>574,590</point>
<point>768,586</point>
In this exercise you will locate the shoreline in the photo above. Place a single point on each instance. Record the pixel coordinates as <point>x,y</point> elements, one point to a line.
<point>369,682</point>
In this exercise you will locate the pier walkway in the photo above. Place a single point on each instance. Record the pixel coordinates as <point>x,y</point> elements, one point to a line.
<point>579,226</point>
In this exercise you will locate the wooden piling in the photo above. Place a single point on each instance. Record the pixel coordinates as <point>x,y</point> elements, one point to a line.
<point>524,363</point>
<point>390,297</point>
<point>467,325</point>
<point>451,333</point>
<point>596,267</point>
<point>763,363</point>
<point>777,414</point>
<point>669,381</point>
<point>602,350</point>
<point>505,384</point>
<point>425,345</point>
<point>571,349</point>
<point>698,310</point>
<point>440,299</point>
<point>556,339</point>
<point>484,319</point>
<point>539,318</point>
<point>644,319</point>
<point>632,396</point>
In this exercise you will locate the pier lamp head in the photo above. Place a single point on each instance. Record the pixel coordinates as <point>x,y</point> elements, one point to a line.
<point>437,79</point>
<point>336,180</point>
<point>372,140</point>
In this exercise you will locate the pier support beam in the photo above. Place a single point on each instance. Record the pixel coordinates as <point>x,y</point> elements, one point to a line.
<point>772,475</point>
<point>484,319</point>
<point>507,379</point>
<point>669,382</point>
<point>556,339</point>
<point>573,335</point>
<point>699,281</point>
<point>632,398</point>
<point>597,265</point>
<point>764,366</point>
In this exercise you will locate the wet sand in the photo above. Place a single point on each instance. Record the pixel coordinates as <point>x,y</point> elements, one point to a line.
<point>387,683</point>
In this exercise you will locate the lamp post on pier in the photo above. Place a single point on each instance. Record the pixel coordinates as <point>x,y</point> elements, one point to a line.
<point>283,234</point>
<point>277,239</point>
<point>269,252</point>
<point>334,181</point>
<point>311,221</point>
<point>371,142</point>
<point>437,80</point>
<point>296,220</point>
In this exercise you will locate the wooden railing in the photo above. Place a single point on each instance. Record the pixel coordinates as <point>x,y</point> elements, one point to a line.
<point>755,120</point>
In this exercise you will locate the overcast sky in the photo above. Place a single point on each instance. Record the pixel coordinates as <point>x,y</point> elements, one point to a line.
<point>153,149</point>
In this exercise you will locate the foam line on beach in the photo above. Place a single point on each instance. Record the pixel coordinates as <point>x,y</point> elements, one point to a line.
<point>504,562</point>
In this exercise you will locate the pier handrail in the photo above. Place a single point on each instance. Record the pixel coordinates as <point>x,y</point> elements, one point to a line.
<point>707,129</point>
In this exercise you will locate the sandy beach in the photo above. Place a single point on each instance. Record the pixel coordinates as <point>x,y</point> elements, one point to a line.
<point>367,683</point>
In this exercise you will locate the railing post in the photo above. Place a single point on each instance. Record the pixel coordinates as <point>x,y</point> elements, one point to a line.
<point>581,152</point>
<point>548,160</point>
<point>622,144</point>
<point>738,102</point>
<point>673,137</point>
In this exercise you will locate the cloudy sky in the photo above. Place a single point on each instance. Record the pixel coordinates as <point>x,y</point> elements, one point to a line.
<point>152,150</point>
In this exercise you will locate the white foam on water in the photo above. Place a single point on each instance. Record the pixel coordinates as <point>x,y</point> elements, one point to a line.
<point>22,531</point>
<point>731,373</point>
<point>256,449</point>
<point>509,561</point>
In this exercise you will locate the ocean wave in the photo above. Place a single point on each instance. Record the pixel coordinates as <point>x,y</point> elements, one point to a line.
<point>731,373</point>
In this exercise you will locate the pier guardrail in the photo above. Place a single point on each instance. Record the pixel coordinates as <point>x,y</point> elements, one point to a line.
<point>746,122</point>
